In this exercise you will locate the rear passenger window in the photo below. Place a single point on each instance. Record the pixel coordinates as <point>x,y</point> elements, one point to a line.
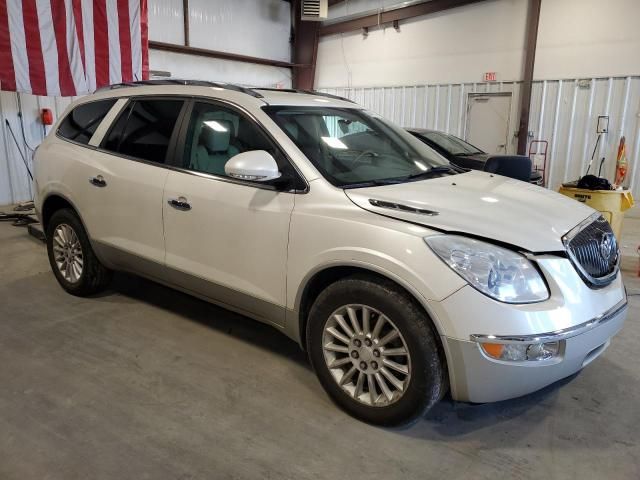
<point>82,122</point>
<point>144,129</point>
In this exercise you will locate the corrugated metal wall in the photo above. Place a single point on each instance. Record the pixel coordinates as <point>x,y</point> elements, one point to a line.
<point>15,184</point>
<point>563,112</point>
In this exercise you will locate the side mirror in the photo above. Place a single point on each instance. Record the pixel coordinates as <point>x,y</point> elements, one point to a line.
<point>255,165</point>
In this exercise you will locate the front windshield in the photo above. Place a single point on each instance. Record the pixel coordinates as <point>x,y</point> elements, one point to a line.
<point>352,147</point>
<point>451,144</point>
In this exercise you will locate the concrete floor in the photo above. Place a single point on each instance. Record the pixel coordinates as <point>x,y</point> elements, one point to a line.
<point>147,383</point>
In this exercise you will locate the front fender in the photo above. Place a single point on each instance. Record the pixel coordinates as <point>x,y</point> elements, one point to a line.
<point>414,268</point>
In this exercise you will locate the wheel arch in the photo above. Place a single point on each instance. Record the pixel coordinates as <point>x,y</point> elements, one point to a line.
<point>54,202</point>
<point>321,278</point>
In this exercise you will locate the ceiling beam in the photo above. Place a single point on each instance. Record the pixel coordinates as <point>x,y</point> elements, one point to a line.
<point>203,52</point>
<point>533,19</point>
<point>391,16</point>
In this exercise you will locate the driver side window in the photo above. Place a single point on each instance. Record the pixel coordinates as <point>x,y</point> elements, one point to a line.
<point>216,134</point>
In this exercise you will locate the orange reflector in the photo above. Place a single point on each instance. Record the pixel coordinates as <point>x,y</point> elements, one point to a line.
<point>493,349</point>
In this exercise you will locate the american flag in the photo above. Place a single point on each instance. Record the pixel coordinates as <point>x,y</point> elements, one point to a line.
<point>72,47</point>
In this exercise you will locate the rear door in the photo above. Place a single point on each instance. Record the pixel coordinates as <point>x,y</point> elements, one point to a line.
<point>123,211</point>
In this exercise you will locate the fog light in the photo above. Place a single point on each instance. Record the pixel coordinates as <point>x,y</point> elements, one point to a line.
<point>520,352</point>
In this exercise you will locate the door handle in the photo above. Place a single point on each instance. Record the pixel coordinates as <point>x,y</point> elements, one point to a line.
<point>179,204</point>
<point>98,181</point>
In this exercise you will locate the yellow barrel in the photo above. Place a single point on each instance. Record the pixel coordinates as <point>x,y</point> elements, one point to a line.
<point>611,203</point>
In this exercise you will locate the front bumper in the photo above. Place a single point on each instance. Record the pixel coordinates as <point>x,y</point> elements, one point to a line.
<point>584,319</point>
<point>477,378</point>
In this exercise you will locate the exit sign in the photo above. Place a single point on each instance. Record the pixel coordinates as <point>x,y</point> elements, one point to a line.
<point>490,77</point>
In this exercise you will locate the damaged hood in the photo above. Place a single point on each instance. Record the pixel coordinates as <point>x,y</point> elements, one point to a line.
<point>480,204</point>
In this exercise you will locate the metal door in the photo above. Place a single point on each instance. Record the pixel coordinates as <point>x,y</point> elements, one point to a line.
<point>488,121</point>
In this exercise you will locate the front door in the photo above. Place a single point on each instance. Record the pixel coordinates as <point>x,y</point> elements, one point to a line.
<point>488,121</point>
<point>226,239</point>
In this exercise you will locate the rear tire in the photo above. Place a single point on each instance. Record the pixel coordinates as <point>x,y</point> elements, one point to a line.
<point>352,356</point>
<point>71,257</point>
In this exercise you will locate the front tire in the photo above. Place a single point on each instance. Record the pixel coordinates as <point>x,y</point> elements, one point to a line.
<point>71,257</point>
<point>375,351</point>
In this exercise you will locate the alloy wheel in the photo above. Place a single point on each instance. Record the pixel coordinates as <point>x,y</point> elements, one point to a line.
<point>366,355</point>
<point>67,253</point>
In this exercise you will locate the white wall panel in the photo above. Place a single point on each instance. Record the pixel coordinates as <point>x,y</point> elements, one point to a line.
<point>454,46</point>
<point>588,38</point>
<point>213,69</point>
<point>563,112</point>
<point>258,28</point>
<point>165,21</point>
<point>576,38</point>
<point>360,7</point>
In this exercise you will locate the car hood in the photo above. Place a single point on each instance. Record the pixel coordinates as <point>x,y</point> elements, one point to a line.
<point>480,204</point>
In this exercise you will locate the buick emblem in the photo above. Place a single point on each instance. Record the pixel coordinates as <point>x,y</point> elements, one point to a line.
<point>607,245</point>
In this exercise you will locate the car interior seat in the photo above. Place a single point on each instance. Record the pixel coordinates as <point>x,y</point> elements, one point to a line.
<point>214,147</point>
<point>513,166</point>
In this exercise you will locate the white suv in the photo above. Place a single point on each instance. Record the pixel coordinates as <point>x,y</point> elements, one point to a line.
<point>400,276</point>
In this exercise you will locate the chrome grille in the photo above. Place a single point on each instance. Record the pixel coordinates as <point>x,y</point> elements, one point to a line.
<point>593,249</point>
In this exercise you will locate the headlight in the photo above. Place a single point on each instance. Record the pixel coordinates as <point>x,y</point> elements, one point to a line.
<point>497,272</point>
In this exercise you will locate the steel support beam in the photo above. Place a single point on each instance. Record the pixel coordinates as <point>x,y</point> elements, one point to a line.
<point>185,21</point>
<point>533,19</point>
<point>391,16</point>
<point>203,52</point>
<point>305,49</point>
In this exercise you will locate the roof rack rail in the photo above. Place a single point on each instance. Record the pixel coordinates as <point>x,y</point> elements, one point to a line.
<point>176,81</point>
<point>272,89</point>
<point>328,95</point>
<point>308,92</point>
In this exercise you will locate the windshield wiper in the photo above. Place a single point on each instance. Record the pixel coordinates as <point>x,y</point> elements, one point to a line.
<point>377,183</point>
<point>395,180</point>
<point>433,171</point>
